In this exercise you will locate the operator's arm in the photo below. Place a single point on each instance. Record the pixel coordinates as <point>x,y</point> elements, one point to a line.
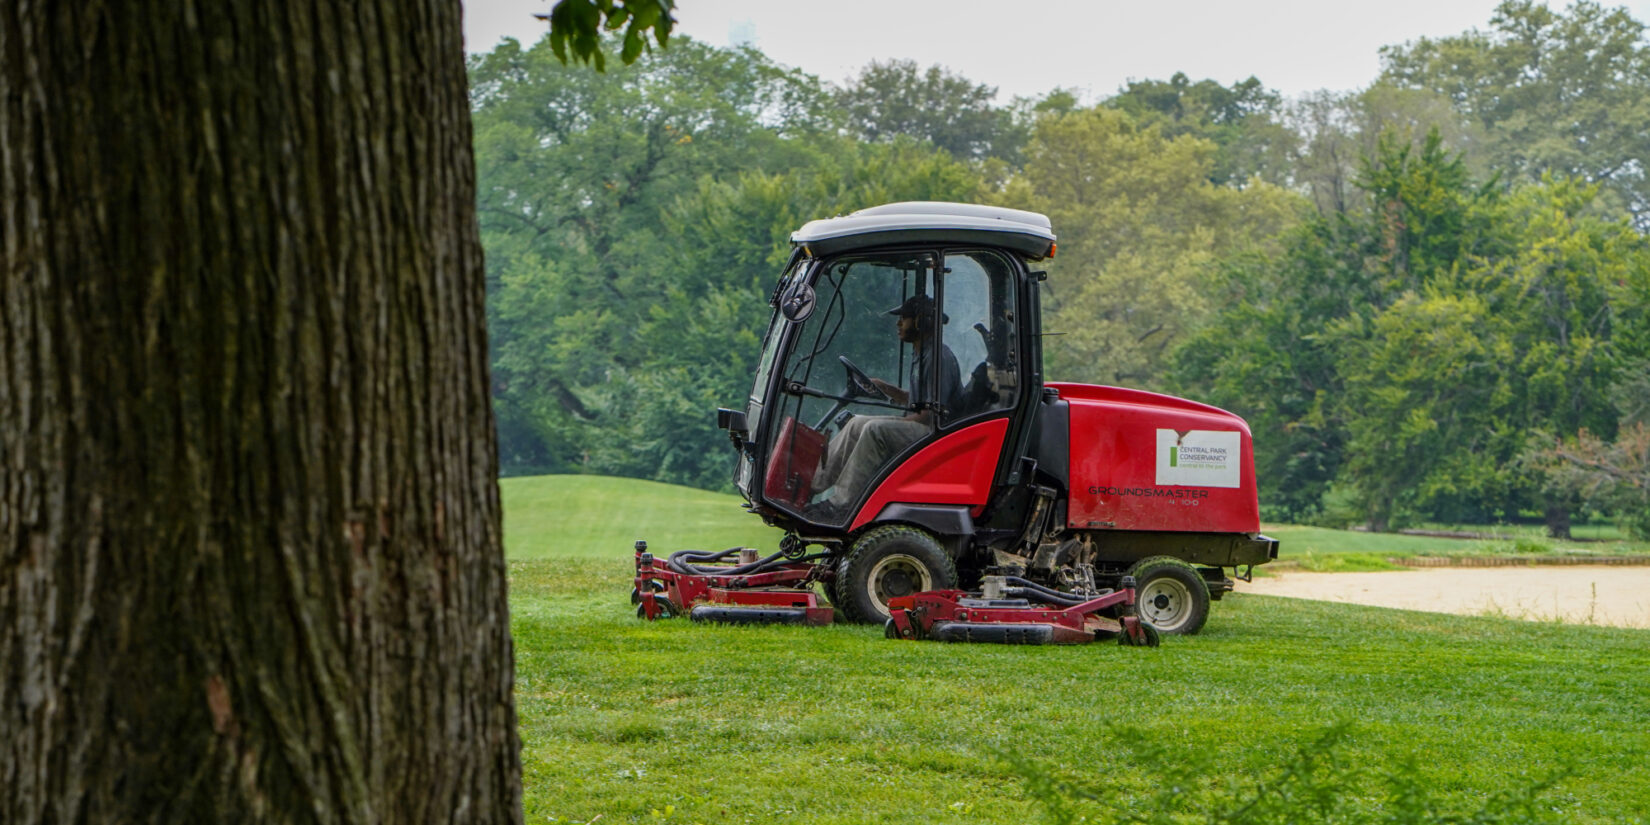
<point>894,393</point>
<point>902,398</point>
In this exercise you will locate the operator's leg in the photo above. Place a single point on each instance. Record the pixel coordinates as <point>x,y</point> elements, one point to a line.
<point>876,441</point>
<point>841,446</point>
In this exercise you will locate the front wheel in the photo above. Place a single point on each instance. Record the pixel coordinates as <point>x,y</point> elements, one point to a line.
<point>886,563</point>
<point>1170,594</point>
<point>1144,635</point>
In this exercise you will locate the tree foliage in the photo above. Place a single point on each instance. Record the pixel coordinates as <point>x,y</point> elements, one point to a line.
<point>1470,277</point>
<point>635,221</point>
<point>1554,92</point>
<point>1141,225</point>
<point>1400,355</point>
<point>1339,132</point>
<point>891,99</point>
<point>1612,474</point>
<point>1243,121</point>
<point>576,28</point>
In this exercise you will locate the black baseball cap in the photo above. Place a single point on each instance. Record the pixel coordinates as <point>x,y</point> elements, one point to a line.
<point>917,306</point>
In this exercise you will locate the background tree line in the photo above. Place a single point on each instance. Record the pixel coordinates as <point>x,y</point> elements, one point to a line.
<point>1428,297</point>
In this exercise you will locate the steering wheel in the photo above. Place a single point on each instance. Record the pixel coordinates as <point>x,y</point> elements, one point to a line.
<point>859,383</point>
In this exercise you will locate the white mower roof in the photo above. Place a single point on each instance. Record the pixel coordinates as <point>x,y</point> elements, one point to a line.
<point>1028,233</point>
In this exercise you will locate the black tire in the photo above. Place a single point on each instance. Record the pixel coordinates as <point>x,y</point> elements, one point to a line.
<point>1149,637</point>
<point>887,562</point>
<point>665,609</point>
<point>1170,595</point>
<point>636,595</point>
<point>833,588</point>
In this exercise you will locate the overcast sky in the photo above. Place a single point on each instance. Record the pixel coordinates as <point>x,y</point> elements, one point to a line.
<point>1094,46</point>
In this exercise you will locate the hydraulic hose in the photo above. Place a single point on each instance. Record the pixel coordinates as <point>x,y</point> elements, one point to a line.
<point>1039,596</point>
<point>1041,588</point>
<point>1049,594</point>
<point>686,561</point>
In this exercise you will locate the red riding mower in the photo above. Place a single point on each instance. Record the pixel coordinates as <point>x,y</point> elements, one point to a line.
<point>928,478</point>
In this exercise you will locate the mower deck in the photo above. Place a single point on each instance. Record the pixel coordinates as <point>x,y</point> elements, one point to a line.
<point>779,590</point>
<point>958,616</point>
<point>758,591</point>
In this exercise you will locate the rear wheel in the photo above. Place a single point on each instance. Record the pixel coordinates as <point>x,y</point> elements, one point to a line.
<point>1170,594</point>
<point>886,563</point>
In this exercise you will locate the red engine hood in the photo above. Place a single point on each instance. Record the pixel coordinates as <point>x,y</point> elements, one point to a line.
<point>1144,461</point>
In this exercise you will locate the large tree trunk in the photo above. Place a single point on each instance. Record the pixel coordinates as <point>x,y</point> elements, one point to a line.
<point>250,563</point>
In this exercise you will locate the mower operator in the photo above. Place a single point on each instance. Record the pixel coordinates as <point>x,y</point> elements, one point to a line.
<point>861,447</point>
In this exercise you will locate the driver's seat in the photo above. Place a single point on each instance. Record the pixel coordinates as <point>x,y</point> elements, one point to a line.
<point>791,466</point>
<point>977,394</point>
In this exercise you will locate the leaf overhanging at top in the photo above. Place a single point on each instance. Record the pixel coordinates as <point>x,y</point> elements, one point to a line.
<point>576,28</point>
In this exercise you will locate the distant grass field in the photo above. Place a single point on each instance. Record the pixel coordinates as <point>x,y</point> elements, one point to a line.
<point>601,517</point>
<point>1326,550</point>
<point>670,722</point>
<point>1526,540</point>
<point>596,516</point>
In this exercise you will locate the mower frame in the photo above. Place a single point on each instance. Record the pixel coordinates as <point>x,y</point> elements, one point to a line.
<point>958,616</point>
<point>781,596</point>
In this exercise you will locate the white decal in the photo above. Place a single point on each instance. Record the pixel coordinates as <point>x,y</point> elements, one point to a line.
<point>1199,458</point>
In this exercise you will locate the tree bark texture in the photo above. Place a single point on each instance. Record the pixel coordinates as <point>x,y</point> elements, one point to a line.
<point>250,557</point>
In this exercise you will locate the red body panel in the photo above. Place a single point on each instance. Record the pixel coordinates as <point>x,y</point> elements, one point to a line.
<point>956,469</point>
<point>1143,461</point>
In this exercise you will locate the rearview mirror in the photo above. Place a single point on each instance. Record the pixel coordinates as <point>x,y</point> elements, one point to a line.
<point>797,303</point>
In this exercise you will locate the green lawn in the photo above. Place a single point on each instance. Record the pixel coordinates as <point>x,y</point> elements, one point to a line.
<point>600,517</point>
<point>1300,540</point>
<point>625,721</point>
<point>1590,532</point>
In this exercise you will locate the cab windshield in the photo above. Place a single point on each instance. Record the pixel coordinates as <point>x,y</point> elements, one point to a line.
<point>897,345</point>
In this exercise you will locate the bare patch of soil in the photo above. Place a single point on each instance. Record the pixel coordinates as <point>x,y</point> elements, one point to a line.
<point>1603,595</point>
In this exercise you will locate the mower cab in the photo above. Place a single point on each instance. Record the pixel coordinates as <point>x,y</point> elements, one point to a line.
<point>901,424</point>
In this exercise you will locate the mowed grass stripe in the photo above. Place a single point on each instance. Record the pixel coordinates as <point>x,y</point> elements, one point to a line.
<point>837,724</point>
<point>622,718</point>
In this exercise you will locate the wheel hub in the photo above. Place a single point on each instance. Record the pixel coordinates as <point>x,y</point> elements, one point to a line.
<point>1166,603</point>
<point>898,575</point>
<point>896,583</point>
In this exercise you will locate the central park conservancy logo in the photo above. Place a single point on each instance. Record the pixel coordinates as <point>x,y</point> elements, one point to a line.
<point>1202,458</point>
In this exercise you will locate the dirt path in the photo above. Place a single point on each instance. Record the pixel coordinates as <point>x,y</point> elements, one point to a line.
<point>1618,596</point>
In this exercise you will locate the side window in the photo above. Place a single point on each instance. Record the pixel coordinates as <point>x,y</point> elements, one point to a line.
<point>979,331</point>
